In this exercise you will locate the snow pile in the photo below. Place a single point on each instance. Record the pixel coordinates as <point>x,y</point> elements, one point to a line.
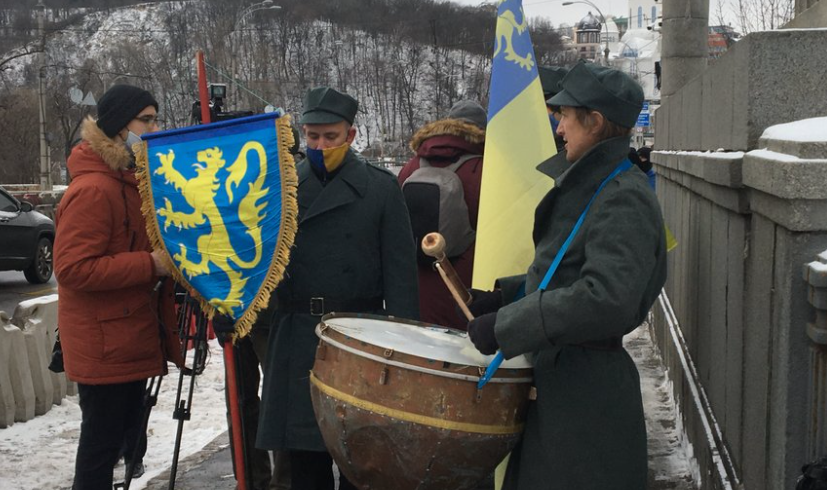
<point>804,131</point>
<point>40,453</point>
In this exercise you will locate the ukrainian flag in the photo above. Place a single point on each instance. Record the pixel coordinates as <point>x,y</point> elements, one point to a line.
<point>518,138</point>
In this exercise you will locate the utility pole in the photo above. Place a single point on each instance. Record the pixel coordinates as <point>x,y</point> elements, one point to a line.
<point>45,159</point>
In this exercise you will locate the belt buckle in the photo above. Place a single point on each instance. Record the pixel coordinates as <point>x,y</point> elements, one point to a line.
<point>317,306</point>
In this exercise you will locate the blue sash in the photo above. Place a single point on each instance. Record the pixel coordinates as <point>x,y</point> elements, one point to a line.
<point>621,167</point>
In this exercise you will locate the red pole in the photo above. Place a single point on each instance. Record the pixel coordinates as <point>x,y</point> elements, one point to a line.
<point>235,415</point>
<point>229,357</point>
<point>203,94</point>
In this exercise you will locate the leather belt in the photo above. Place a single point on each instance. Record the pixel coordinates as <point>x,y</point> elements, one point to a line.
<point>610,344</point>
<point>319,305</point>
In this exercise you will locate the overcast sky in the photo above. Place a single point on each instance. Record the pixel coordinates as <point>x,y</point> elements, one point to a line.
<point>558,14</point>
<point>571,14</point>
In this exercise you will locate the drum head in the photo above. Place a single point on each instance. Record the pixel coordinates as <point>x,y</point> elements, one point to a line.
<point>418,339</point>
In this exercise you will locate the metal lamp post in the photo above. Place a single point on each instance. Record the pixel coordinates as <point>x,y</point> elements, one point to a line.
<point>45,165</point>
<point>246,12</point>
<point>602,18</point>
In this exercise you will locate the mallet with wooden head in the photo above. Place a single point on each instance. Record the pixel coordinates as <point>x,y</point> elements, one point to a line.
<point>433,245</point>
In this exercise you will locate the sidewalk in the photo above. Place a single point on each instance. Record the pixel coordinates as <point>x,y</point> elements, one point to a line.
<point>671,465</point>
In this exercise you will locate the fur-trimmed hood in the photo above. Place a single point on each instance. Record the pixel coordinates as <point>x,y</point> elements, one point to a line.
<point>113,151</point>
<point>448,127</point>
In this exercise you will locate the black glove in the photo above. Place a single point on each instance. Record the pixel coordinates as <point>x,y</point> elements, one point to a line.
<point>481,332</point>
<point>483,302</point>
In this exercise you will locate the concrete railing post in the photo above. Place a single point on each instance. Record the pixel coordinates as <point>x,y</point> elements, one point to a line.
<point>815,274</point>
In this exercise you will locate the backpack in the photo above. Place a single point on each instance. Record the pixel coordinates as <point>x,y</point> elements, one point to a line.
<point>436,202</point>
<point>814,476</point>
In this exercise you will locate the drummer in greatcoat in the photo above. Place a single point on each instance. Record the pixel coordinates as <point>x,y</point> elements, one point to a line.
<point>586,428</point>
<point>354,252</point>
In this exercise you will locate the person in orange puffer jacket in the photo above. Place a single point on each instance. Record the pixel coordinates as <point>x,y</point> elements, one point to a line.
<point>115,307</point>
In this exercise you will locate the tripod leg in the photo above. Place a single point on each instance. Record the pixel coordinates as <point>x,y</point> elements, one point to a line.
<point>183,408</point>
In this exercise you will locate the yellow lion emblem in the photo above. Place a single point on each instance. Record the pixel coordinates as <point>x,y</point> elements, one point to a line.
<point>506,25</point>
<point>200,192</point>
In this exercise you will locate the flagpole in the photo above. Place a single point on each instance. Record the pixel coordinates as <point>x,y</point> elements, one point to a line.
<point>229,351</point>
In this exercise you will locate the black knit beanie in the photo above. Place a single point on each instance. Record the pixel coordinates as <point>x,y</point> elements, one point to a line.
<point>119,105</point>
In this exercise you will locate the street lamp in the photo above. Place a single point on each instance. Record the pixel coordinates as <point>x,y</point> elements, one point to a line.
<point>603,18</point>
<point>45,157</point>
<point>246,12</point>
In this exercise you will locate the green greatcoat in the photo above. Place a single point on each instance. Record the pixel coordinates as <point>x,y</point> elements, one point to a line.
<point>586,429</point>
<point>354,241</point>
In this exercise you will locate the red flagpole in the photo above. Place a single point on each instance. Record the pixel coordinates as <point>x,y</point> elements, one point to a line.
<point>229,357</point>
<point>203,94</point>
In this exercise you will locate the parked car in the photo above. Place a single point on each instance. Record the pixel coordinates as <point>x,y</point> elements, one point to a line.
<point>26,239</point>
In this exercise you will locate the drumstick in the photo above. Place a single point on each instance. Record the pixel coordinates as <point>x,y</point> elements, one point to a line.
<point>433,245</point>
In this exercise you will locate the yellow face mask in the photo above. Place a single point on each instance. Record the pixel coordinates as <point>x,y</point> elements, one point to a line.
<point>328,159</point>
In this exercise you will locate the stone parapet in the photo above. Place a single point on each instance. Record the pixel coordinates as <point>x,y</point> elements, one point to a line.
<point>753,86</point>
<point>745,223</point>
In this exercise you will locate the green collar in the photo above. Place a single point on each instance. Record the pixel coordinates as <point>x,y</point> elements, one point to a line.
<point>595,164</point>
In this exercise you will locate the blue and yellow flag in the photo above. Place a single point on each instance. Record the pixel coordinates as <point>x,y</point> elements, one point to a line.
<point>518,138</point>
<point>220,199</point>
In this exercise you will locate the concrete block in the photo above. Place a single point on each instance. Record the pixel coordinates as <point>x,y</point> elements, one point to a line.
<point>736,280</point>
<point>661,118</point>
<point>703,327</point>
<point>677,71</point>
<point>789,388</point>
<point>7,405</point>
<point>757,335</point>
<point>724,169</point>
<point>17,367</point>
<point>40,315</point>
<point>694,8</point>
<point>687,37</point>
<point>794,215</point>
<point>718,110</point>
<point>717,325</point>
<point>693,101</point>
<point>786,80</point>
<point>806,150</point>
<point>676,122</point>
<point>36,337</point>
<point>785,176</point>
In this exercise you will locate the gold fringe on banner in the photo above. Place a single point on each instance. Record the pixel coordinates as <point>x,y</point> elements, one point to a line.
<point>287,229</point>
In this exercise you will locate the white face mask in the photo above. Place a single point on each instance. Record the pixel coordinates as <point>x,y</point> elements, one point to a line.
<point>131,139</point>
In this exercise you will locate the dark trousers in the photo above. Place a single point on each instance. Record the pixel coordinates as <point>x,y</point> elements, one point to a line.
<point>109,412</point>
<point>313,470</point>
<point>247,365</point>
<point>134,446</point>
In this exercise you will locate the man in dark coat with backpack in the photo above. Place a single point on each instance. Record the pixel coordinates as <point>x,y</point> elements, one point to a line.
<point>441,180</point>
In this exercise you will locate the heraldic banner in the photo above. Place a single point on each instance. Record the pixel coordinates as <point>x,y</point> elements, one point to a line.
<point>220,199</point>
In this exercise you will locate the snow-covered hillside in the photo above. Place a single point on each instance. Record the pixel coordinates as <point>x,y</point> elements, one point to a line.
<point>400,84</point>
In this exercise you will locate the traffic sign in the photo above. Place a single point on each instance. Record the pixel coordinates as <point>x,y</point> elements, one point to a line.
<point>643,119</point>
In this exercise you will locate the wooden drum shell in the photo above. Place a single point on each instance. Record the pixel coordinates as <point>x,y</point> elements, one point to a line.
<point>396,421</point>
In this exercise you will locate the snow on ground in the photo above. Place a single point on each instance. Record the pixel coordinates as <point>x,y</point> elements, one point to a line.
<point>805,130</point>
<point>672,464</point>
<point>40,453</point>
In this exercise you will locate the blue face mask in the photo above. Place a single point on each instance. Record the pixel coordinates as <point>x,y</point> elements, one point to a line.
<point>554,123</point>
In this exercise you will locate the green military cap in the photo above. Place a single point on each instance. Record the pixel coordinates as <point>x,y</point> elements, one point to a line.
<point>605,90</point>
<point>550,78</point>
<point>324,105</point>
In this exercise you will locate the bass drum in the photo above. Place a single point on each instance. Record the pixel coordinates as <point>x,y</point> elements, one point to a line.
<point>398,405</point>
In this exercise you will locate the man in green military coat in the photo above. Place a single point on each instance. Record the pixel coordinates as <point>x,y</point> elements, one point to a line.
<point>354,252</point>
<point>586,429</point>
